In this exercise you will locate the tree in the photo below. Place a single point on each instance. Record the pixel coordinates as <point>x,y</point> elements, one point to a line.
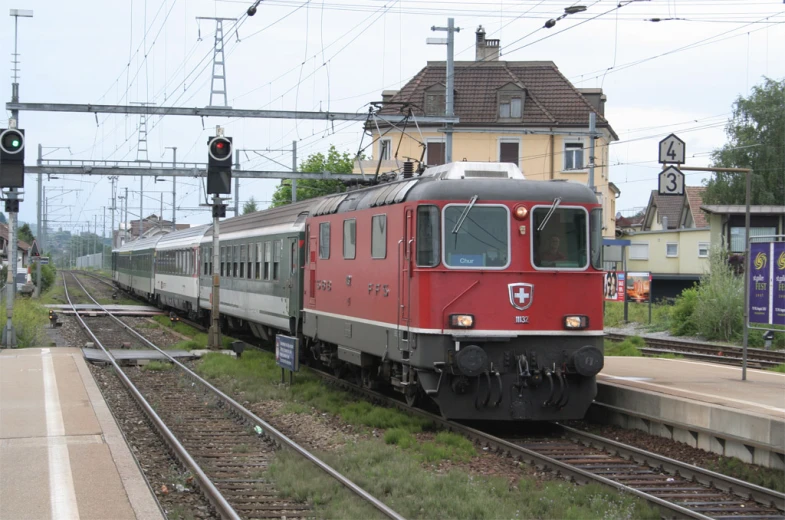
<point>26,234</point>
<point>250,206</point>
<point>335,162</point>
<point>756,139</point>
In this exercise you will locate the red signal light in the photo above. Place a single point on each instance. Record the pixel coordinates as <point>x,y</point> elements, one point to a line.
<point>220,145</point>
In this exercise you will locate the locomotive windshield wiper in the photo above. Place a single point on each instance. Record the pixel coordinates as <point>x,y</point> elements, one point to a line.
<point>555,204</point>
<point>464,214</point>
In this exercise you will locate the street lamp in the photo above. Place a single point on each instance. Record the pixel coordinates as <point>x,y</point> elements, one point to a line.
<point>574,9</point>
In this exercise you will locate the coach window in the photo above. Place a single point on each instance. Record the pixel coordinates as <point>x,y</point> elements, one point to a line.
<point>293,258</point>
<point>223,259</point>
<point>379,236</point>
<point>235,260</point>
<point>427,236</point>
<point>243,258</point>
<point>276,259</point>
<point>258,248</point>
<point>349,239</point>
<point>267,260</point>
<point>476,237</point>
<point>560,237</point>
<point>324,240</point>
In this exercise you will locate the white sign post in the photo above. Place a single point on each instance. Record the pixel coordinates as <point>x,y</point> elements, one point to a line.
<point>672,150</point>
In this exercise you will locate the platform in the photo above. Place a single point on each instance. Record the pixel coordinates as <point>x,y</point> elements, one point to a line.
<point>705,405</point>
<point>61,452</point>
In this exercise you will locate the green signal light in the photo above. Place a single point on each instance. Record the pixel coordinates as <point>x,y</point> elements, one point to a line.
<point>15,143</point>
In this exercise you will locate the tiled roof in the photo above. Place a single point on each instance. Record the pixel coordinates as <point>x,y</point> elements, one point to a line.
<point>629,221</point>
<point>550,99</point>
<point>695,200</point>
<point>668,206</point>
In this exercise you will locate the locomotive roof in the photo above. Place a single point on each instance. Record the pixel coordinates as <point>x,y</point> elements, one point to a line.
<point>434,188</point>
<point>183,237</point>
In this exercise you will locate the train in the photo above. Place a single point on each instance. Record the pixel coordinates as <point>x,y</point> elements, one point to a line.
<point>463,284</point>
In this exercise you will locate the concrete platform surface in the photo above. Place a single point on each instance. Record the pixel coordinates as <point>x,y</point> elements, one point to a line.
<point>763,392</point>
<point>61,452</point>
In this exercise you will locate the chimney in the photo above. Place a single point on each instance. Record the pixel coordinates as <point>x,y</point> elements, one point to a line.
<point>485,50</point>
<point>387,95</point>
<point>596,98</point>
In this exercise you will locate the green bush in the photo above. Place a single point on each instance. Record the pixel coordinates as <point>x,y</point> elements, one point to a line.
<point>719,309</point>
<point>682,315</point>
<point>48,276</point>
<point>30,318</point>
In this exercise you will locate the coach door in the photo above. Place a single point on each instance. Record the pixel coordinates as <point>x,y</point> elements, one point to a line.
<point>312,249</point>
<point>293,285</point>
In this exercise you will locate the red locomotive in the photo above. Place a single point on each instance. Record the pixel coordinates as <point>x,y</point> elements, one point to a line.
<point>466,284</point>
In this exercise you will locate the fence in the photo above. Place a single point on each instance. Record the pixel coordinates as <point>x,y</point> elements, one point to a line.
<point>95,261</point>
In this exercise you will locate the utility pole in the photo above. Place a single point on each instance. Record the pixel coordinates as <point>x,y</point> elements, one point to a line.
<point>13,196</point>
<point>450,94</point>
<point>125,231</point>
<point>161,214</point>
<point>215,314</point>
<point>592,161</point>
<point>294,169</point>
<point>219,63</point>
<point>174,187</point>
<point>39,235</point>
<point>236,183</point>
<point>103,239</point>
<point>113,178</point>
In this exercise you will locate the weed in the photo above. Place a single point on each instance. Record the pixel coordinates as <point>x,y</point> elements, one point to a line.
<point>179,327</point>
<point>778,368</point>
<point>629,347</point>
<point>295,408</point>
<point>638,313</point>
<point>157,366</point>
<point>766,477</point>
<point>30,318</point>
<point>241,448</point>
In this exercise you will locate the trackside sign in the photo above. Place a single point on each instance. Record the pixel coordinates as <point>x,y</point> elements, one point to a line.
<point>286,352</point>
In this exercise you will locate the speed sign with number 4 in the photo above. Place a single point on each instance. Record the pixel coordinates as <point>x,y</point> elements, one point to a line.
<point>671,181</point>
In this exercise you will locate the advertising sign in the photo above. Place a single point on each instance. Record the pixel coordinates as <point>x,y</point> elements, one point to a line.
<point>778,264</point>
<point>760,282</point>
<point>638,287</point>
<point>613,288</point>
<point>286,352</point>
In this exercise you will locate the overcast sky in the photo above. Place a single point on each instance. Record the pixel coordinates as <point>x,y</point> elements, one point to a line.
<point>677,76</point>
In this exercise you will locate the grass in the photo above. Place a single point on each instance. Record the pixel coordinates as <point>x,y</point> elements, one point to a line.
<point>638,313</point>
<point>629,347</point>
<point>157,366</point>
<point>179,327</point>
<point>29,319</point>
<point>778,368</point>
<point>398,478</point>
<point>397,469</point>
<point>767,477</point>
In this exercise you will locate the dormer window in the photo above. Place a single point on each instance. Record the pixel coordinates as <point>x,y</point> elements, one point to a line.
<point>510,101</point>
<point>435,102</point>
<point>510,108</point>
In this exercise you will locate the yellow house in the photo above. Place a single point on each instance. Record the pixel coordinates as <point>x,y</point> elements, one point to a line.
<point>523,112</point>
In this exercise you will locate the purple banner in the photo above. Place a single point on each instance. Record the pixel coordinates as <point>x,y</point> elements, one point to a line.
<point>778,263</point>
<point>760,286</point>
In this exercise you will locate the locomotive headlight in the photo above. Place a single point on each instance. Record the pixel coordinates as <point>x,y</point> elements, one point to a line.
<point>461,321</point>
<point>576,322</point>
<point>520,212</point>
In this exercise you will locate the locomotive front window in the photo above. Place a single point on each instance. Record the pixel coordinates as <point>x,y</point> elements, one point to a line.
<point>560,241</point>
<point>481,241</point>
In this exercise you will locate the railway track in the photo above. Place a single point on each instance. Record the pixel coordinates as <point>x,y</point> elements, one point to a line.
<point>678,489</point>
<point>724,354</point>
<point>224,446</point>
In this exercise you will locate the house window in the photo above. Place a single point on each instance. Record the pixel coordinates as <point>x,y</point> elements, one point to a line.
<point>672,249</point>
<point>573,156</point>
<point>324,240</point>
<point>435,153</point>
<point>349,239</point>
<point>385,149</point>
<point>509,152</point>
<point>639,251</point>
<point>511,108</point>
<point>379,236</point>
<point>737,236</point>
<point>703,249</point>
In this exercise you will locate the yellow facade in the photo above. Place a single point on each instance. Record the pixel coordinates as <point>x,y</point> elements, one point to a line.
<point>541,157</point>
<point>691,251</point>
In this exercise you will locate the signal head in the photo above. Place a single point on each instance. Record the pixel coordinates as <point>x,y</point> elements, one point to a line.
<point>12,141</point>
<point>220,148</point>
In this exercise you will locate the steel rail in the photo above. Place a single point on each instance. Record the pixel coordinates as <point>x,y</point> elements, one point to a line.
<point>268,430</point>
<point>211,492</point>
<point>703,476</point>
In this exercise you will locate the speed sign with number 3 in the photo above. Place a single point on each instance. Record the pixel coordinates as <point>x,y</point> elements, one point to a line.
<point>671,181</point>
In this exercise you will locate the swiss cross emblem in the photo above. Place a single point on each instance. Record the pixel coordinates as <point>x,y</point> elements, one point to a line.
<point>521,295</point>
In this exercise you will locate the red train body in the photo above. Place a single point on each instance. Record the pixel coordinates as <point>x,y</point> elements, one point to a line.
<point>468,285</point>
